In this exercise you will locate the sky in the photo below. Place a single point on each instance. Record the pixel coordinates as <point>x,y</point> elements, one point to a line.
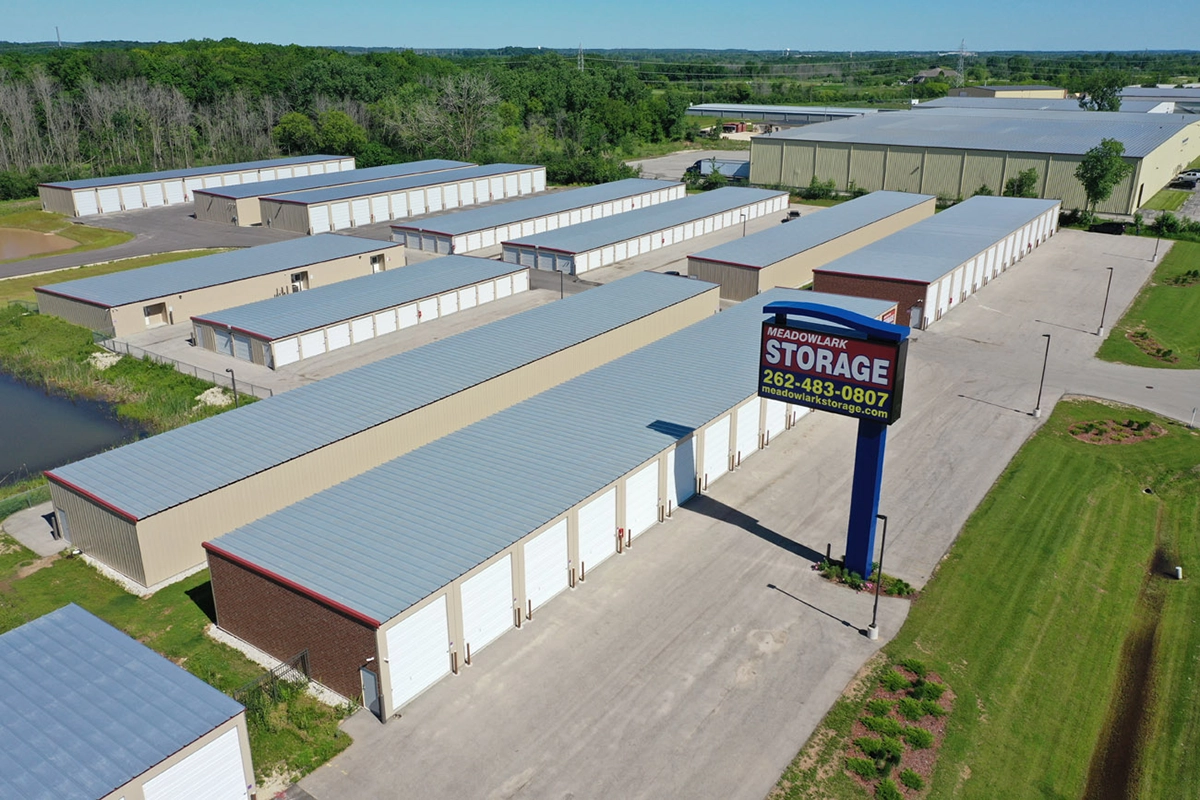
<point>799,25</point>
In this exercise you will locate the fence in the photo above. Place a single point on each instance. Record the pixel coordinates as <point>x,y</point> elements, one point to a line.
<point>28,305</point>
<point>27,499</point>
<point>220,379</point>
<point>270,684</point>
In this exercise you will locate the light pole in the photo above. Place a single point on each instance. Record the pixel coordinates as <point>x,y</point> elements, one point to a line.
<point>1104,311</point>
<point>873,629</point>
<point>561,273</point>
<point>1037,410</point>
<point>1192,424</point>
<point>233,380</point>
<point>744,220</point>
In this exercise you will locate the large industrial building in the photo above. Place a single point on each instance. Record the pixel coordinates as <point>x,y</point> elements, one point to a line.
<point>239,204</point>
<point>337,207</point>
<point>595,244</point>
<point>91,714</point>
<point>1031,104</point>
<point>929,267</point>
<point>89,196</point>
<point>143,509</point>
<point>479,228</point>
<point>783,116</point>
<point>470,535</point>
<point>1186,98</point>
<point>1015,91</point>
<point>787,254</point>
<point>125,303</point>
<point>284,330</point>
<point>953,153</point>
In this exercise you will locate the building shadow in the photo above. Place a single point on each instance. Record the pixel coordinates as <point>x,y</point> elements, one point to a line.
<point>834,617</point>
<point>1066,327</point>
<point>715,509</point>
<point>202,596</point>
<point>990,403</point>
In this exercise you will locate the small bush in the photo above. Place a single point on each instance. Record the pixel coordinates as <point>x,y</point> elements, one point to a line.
<point>883,725</point>
<point>932,709</point>
<point>915,666</point>
<point>911,709</point>
<point>862,767</point>
<point>900,588</point>
<point>918,738</point>
<point>854,581</point>
<point>893,681</point>
<point>926,690</point>
<point>912,780</point>
<point>880,707</point>
<point>881,748</point>
<point>887,790</point>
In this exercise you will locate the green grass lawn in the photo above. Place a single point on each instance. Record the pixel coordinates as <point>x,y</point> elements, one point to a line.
<point>1030,615</point>
<point>1167,200</point>
<point>1166,312</point>
<point>21,288</point>
<point>301,733</point>
<point>27,214</point>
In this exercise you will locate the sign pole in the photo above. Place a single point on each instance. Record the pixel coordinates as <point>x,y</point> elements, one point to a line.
<point>864,496</point>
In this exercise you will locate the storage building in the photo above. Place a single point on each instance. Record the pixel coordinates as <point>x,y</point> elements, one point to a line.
<point>595,244</point>
<point>90,713</point>
<point>474,532</point>
<point>89,196</point>
<point>239,205</point>
<point>779,115</point>
<point>1030,104</point>
<point>339,207</point>
<point>466,231</point>
<point>787,254</point>
<point>929,267</point>
<point>1186,99</point>
<point>1015,91</point>
<point>143,509</point>
<point>124,303</point>
<point>284,330</point>
<point>955,152</point>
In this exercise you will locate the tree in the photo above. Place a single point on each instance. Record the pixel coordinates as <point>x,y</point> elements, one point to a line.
<point>1101,91</point>
<point>295,134</point>
<point>1024,184</point>
<point>340,135</point>
<point>1101,169</point>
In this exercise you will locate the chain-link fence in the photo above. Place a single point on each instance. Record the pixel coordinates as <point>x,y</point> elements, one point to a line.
<point>27,499</point>
<point>219,378</point>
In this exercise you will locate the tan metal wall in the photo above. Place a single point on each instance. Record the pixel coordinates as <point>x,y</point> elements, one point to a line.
<point>1011,92</point>
<point>982,168</point>
<point>1161,166</point>
<point>100,533</point>
<point>737,283</point>
<point>134,791</point>
<point>867,167</point>
<point>213,208</point>
<point>170,541</point>
<point>57,200</point>
<point>94,318</point>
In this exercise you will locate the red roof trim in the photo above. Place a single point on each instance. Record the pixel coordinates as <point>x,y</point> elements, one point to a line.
<point>119,511</point>
<point>909,281</point>
<point>77,299</point>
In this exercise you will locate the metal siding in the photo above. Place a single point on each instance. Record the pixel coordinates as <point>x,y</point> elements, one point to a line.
<point>983,169</point>
<point>942,173</point>
<point>833,163</point>
<point>903,170</point>
<point>213,772</point>
<point>866,167</point>
<point>100,533</point>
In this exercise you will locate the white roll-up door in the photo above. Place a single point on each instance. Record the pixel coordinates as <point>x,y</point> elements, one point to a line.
<point>520,282</point>
<point>190,185</point>
<point>526,183</point>
<point>956,285</point>
<point>214,772</point>
<point>747,429</point>
<point>474,242</point>
<point>174,192</point>
<point>681,472</point>
<point>776,418</point>
<point>211,180</point>
<point>450,195</point>
<point>312,344</point>
<point>338,336</point>
<point>496,187</point>
<point>466,297</point>
<point>85,203</point>
<point>399,205</point>
<point>360,210</point>
<point>427,309</point>
<point>379,209</point>
<point>110,199</point>
<point>466,193</point>
<point>318,219</point>
<point>448,303</point>
<point>511,185</point>
<point>266,174</point>
<point>546,569</point>
<point>362,329</point>
<point>249,177</point>
<point>641,499</point>
<point>487,604</point>
<point>224,341</point>
<point>539,180</point>
<point>241,346</point>
<point>300,171</point>
<point>433,198</point>
<point>339,214</point>
<point>598,530</point>
<point>418,652</point>
<point>154,194</point>
<point>482,194</point>
<point>487,291</point>
<point>287,351</point>
<point>407,315</point>
<point>385,322</point>
<point>716,452</point>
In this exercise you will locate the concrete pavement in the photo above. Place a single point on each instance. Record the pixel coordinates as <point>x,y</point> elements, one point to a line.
<point>672,166</point>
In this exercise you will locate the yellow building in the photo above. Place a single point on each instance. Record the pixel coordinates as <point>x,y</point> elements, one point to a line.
<point>1012,92</point>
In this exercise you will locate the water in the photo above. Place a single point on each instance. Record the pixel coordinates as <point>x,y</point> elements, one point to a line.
<point>17,243</point>
<point>39,431</point>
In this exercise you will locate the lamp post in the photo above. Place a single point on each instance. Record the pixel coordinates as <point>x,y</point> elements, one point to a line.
<point>1037,410</point>
<point>561,273</point>
<point>744,221</point>
<point>1104,311</point>
<point>233,380</point>
<point>873,629</point>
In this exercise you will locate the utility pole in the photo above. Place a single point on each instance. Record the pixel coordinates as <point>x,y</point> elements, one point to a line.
<point>581,56</point>
<point>962,60</point>
<point>58,35</point>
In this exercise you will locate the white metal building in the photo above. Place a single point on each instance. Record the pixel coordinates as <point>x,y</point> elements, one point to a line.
<point>89,196</point>
<point>339,207</point>
<point>595,244</point>
<point>467,231</point>
<point>287,329</point>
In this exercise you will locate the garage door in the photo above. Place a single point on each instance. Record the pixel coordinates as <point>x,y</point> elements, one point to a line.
<point>362,329</point>
<point>312,344</point>
<point>361,211</point>
<point>487,292</point>
<point>110,199</point>
<point>318,219</point>
<point>399,205</point>
<point>339,214</point>
<point>482,193</point>
<point>385,322</point>
<point>427,310</point>
<point>214,772</point>
<point>681,472</point>
<point>418,652</point>
<point>776,418</point>
<point>448,303</point>
<point>598,530</point>
<point>249,177</point>
<point>433,198</point>
<point>496,187</point>
<point>503,286</point>
<point>174,192</point>
<point>407,315</point>
<point>224,340</point>
<point>287,351</point>
<point>85,203</point>
<point>191,185</point>
<point>526,183</point>
<point>154,194</point>
<point>131,197</point>
<point>520,282</point>
<point>466,297</point>
<point>338,336</point>
<point>450,195</point>
<point>300,171</point>
<point>211,180</point>
<point>747,430</point>
<point>546,564</point>
<point>716,452</point>
<point>231,180</point>
<point>416,202</point>
<point>241,346</point>
<point>641,499</point>
<point>487,605</point>
<point>379,209</point>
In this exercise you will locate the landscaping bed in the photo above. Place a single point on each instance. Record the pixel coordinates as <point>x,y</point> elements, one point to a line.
<point>1160,328</point>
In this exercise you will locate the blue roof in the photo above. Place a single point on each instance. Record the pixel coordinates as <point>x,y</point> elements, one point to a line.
<point>1030,104</point>
<point>478,219</point>
<point>517,469</point>
<point>190,172</point>
<point>177,277</point>
<point>734,109</point>
<point>290,314</point>
<point>85,709</point>
<point>154,474</point>
<point>929,249</point>
<point>772,245</point>
<point>399,184</point>
<point>263,188</point>
<point>632,224</point>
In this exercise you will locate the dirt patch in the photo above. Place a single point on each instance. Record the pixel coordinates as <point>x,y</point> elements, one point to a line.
<point>1142,340</point>
<point>40,564</point>
<point>1111,431</point>
<point>1185,279</point>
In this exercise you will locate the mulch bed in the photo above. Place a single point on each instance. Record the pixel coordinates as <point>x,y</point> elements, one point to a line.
<point>1111,431</point>
<point>1142,340</point>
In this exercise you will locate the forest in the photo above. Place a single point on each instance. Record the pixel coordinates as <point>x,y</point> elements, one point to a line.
<point>118,107</point>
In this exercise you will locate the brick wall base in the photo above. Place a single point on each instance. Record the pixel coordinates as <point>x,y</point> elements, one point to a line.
<point>904,294</point>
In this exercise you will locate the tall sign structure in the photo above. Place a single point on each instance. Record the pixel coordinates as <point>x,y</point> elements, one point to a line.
<point>835,360</point>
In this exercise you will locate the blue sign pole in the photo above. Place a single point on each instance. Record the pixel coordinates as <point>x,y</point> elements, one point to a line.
<point>864,496</point>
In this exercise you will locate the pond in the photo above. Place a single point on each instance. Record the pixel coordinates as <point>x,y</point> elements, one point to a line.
<point>39,431</point>
<point>18,243</point>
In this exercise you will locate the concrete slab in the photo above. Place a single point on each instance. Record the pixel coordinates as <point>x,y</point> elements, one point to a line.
<point>34,529</point>
<point>672,166</point>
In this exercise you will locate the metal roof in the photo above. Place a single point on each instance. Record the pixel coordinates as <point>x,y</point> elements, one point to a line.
<point>1021,87</point>
<point>767,247</point>
<point>443,509</point>
<point>749,108</point>
<point>927,250</point>
<point>284,185</point>
<point>1186,95</point>
<point>632,224</point>
<point>190,172</point>
<point>478,219</point>
<point>290,314</point>
<point>1008,130</point>
<point>398,184</point>
<point>1031,104</point>
<point>86,709</point>
<point>176,277</point>
<point>154,474</point>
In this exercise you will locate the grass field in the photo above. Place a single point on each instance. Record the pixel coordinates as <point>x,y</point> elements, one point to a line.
<point>301,733</point>
<point>1071,655</point>
<point>1167,200</point>
<point>1166,312</point>
<point>27,214</point>
<point>21,288</point>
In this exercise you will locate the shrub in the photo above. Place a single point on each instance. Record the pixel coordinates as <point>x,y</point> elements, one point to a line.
<point>900,588</point>
<point>912,780</point>
<point>918,738</point>
<point>893,681</point>
<point>911,709</point>
<point>854,581</point>
<point>881,748</point>
<point>862,767</point>
<point>932,709</point>
<point>883,725</point>
<point>880,707</point>
<point>818,189</point>
<point>915,666</point>
<point>926,690</point>
<point>887,790</point>
<point>985,190</point>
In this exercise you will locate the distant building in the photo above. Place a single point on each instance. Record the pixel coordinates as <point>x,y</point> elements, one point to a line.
<point>786,116</point>
<point>1026,92</point>
<point>1032,104</point>
<point>939,74</point>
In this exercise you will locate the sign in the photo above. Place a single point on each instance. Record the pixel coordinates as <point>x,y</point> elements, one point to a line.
<point>852,376</point>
